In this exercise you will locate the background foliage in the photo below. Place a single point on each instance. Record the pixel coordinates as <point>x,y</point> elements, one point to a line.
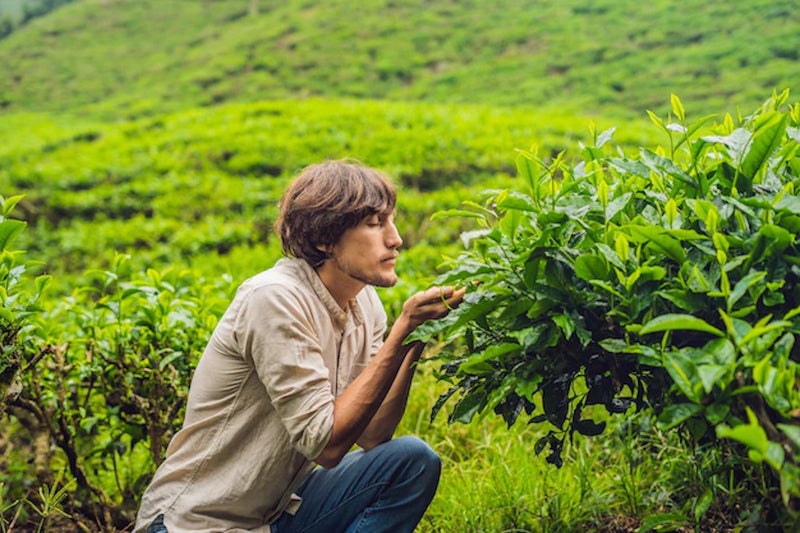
<point>601,58</point>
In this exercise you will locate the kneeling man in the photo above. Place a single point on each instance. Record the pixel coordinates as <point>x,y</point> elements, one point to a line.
<point>298,370</point>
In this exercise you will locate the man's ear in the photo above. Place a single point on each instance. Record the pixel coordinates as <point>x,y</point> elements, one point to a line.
<point>327,248</point>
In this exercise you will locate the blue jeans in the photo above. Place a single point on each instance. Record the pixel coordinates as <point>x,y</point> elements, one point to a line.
<point>386,489</point>
<point>157,525</point>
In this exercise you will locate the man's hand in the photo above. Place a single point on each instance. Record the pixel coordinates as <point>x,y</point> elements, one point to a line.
<point>431,304</point>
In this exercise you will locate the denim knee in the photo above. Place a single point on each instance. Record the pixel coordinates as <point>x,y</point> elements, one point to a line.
<point>416,451</point>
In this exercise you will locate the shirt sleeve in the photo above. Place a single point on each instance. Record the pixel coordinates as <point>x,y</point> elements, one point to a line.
<point>278,337</point>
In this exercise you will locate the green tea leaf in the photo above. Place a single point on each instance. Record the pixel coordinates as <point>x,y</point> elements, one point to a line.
<point>565,323</point>
<point>468,236</point>
<point>751,435</point>
<point>686,300</point>
<point>629,166</point>
<point>659,239</point>
<point>588,427</point>
<point>672,322</point>
<point>666,167</point>
<point>702,208</point>
<point>775,455</point>
<point>519,202</point>
<point>788,203</point>
<point>169,359</point>
<point>610,255</point>
<point>684,373</point>
<point>677,107</point>
<point>607,287</point>
<point>735,142</point>
<point>529,169</point>
<point>617,204</point>
<point>9,229</point>
<point>722,351</point>
<point>767,135</point>
<point>710,374</point>
<point>591,267</point>
<point>716,413</point>
<point>605,137</point>
<point>468,406</point>
<point>42,282</point>
<point>742,285</point>
<point>792,432</point>
<point>759,330</point>
<point>9,204</point>
<point>674,414</point>
<point>478,363</point>
<point>614,345</point>
<point>656,119</point>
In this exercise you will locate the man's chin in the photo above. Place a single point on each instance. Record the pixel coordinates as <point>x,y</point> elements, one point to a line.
<point>384,281</point>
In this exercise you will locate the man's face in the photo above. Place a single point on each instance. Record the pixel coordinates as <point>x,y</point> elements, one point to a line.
<point>367,251</point>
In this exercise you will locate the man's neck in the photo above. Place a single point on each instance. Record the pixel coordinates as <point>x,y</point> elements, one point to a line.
<point>342,287</point>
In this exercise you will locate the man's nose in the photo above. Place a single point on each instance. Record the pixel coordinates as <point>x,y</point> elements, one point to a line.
<point>393,238</point>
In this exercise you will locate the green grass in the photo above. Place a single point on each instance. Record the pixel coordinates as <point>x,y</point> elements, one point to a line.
<point>492,481</point>
<point>126,58</point>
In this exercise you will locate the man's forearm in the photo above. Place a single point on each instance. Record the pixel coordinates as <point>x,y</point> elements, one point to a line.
<point>357,406</point>
<point>384,423</point>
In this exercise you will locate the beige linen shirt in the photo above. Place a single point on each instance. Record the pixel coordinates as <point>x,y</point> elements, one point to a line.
<point>260,404</point>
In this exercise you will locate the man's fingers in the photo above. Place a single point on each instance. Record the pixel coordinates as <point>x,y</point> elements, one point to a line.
<point>455,297</point>
<point>458,295</point>
<point>431,296</point>
<point>434,303</point>
<point>447,295</point>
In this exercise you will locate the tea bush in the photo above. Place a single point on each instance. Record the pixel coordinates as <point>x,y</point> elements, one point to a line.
<point>667,281</point>
<point>96,385</point>
<point>19,305</point>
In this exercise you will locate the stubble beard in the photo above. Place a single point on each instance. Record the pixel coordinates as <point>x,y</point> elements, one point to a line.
<point>367,278</point>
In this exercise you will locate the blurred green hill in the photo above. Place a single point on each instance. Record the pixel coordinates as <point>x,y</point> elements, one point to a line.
<point>125,59</point>
<point>12,9</point>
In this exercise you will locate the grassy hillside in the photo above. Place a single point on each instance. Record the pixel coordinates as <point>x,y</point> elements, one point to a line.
<point>202,186</point>
<point>128,58</point>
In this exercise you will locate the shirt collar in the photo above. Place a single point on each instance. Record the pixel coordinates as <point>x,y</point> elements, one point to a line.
<point>338,315</point>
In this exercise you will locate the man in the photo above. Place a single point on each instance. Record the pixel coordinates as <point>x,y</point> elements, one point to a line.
<point>297,372</point>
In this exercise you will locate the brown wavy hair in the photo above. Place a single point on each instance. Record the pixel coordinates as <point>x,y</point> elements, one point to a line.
<point>324,201</point>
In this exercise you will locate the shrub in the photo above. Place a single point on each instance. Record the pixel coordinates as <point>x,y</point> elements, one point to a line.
<point>666,280</point>
<point>19,342</point>
<point>107,390</point>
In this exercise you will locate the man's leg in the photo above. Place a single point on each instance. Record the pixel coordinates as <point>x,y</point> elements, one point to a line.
<point>157,525</point>
<point>387,489</point>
